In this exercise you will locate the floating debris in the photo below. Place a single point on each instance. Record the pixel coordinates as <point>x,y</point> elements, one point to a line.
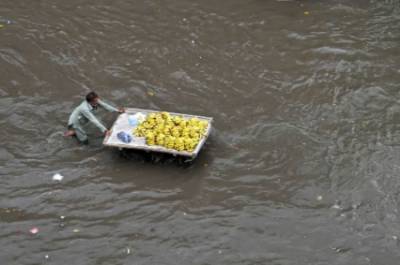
<point>34,230</point>
<point>58,177</point>
<point>306,13</point>
<point>319,198</point>
<point>6,21</point>
<point>76,230</point>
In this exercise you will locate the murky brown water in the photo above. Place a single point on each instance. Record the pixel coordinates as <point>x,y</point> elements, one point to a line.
<point>302,166</point>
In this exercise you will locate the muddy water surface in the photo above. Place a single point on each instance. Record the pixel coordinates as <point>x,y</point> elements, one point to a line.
<point>302,166</point>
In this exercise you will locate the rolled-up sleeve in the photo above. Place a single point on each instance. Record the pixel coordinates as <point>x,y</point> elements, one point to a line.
<point>107,106</point>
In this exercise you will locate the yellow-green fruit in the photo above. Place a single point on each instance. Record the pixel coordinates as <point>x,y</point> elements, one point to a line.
<point>192,146</point>
<point>195,128</point>
<point>150,124</point>
<point>188,143</point>
<point>150,138</point>
<point>194,134</point>
<point>158,117</point>
<point>140,131</point>
<point>193,121</point>
<point>179,144</point>
<point>176,132</point>
<point>159,128</point>
<point>159,120</point>
<point>170,142</point>
<point>203,124</point>
<point>166,131</point>
<point>186,132</point>
<point>160,139</point>
<point>177,120</point>
<point>183,123</point>
<point>151,116</point>
<point>189,148</point>
<point>149,135</point>
<point>165,115</point>
<point>168,120</point>
<point>169,123</point>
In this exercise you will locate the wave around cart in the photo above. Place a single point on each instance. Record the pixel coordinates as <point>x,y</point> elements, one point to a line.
<point>139,144</point>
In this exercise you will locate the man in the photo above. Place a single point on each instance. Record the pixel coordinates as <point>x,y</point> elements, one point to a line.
<point>84,113</point>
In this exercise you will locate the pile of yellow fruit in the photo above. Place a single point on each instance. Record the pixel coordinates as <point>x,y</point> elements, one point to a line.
<point>173,132</point>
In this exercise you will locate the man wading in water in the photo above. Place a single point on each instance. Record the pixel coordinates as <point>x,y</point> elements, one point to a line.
<point>84,113</point>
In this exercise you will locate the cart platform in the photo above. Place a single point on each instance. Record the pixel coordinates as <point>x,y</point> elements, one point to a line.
<point>139,143</point>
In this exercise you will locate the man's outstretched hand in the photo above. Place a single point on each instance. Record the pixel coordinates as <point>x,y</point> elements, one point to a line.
<point>121,110</point>
<point>107,133</point>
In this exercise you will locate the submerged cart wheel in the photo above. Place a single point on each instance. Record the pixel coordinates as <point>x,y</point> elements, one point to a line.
<point>122,152</point>
<point>184,161</point>
<point>134,155</point>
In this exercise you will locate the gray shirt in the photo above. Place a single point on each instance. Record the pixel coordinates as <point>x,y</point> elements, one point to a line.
<point>84,113</point>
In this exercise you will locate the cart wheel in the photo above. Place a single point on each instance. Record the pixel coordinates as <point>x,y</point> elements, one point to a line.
<point>189,160</point>
<point>184,161</point>
<point>123,153</point>
<point>157,158</point>
<point>153,158</point>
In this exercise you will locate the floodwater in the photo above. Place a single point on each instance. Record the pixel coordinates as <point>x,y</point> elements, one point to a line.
<point>303,164</point>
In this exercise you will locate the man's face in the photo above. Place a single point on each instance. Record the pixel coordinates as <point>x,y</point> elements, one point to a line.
<point>95,102</point>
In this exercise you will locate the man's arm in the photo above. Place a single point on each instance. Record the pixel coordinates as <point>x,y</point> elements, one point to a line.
<point>107,106</point>
<point>93,119</point>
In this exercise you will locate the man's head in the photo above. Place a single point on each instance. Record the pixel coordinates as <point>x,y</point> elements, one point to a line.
<point>92,98</point>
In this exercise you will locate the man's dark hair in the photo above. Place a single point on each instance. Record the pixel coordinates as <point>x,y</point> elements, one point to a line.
<point>91,96</point>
